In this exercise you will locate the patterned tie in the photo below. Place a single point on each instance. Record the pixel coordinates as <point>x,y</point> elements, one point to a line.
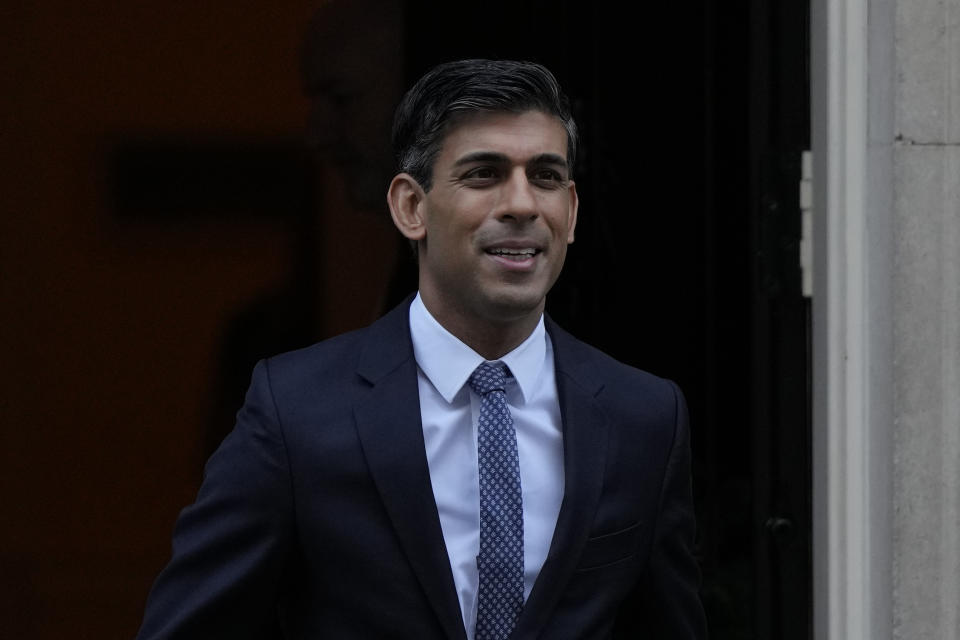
<point>500,562</point>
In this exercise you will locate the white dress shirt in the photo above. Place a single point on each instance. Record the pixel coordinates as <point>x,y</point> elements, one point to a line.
<point>449,410</point>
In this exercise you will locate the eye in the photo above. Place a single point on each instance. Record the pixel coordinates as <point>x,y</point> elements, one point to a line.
<point>547,177</point>
<point>480,174</point>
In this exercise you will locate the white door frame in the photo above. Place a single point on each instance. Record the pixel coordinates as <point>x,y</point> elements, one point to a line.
<point>851,113</point>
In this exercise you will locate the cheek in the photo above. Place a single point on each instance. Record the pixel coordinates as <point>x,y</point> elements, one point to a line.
<point>561,255</point>
<point>561,224</point>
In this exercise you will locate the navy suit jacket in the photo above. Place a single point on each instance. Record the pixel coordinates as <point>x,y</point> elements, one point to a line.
<point>319,506</point>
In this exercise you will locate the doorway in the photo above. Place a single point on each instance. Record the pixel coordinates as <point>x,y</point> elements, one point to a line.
<point>693,118</point>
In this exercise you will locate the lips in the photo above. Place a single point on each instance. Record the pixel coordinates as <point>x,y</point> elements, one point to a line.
<point>518,254</point>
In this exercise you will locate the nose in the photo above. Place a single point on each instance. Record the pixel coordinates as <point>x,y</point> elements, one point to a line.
<point>519,200</point>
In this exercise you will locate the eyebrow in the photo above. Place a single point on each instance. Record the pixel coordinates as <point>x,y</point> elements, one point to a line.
<point>499,158</point>
<point>481,156</point>
<point>549,158</point>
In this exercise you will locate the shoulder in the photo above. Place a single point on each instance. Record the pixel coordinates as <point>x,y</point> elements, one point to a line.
<point>620,388</point>
<point>345,358</point>
<point>593,367</point>
<point>333,353</point>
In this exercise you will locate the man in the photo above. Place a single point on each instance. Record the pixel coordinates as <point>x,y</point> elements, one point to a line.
<point>462,468</point>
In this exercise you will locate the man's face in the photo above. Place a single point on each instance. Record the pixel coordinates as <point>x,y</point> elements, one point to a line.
<point>498,217</point>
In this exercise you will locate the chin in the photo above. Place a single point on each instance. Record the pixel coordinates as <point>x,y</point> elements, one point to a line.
<point>513,305</point>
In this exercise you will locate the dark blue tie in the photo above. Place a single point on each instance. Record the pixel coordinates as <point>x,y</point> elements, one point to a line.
<point>500,562</point>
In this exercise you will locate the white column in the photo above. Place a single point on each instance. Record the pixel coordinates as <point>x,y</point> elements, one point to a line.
<point>852,323</point>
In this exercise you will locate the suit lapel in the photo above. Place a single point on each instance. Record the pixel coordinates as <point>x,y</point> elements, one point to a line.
<point>585,449</point>
<point>390,431</point>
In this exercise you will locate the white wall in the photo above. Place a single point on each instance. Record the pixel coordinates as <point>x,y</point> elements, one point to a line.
<point>886,120</point>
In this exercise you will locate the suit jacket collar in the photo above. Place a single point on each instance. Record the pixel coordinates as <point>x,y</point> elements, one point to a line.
<point>391,434</point>
<point>585,449</point>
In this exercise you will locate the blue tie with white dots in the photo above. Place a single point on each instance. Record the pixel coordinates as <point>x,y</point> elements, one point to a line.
<point>500,562</point>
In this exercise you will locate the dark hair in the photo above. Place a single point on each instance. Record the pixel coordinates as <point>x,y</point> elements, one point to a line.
<point>452,90</point>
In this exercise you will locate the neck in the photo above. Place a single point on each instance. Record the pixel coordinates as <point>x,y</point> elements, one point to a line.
<point>492,336</point>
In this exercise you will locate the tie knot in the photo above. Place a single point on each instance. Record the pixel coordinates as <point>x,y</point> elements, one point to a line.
<point>489,376</point>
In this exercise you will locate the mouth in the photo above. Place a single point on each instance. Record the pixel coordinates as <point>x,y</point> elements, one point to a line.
<point>518,254</point>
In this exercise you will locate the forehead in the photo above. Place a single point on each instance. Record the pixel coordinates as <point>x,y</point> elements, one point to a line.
<point>517,135</point>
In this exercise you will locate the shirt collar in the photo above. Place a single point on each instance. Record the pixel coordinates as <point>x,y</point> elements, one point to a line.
<point>447,362</point>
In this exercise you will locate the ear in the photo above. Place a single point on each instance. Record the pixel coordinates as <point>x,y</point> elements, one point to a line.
<point>574,204</point>
<point>406,199</point>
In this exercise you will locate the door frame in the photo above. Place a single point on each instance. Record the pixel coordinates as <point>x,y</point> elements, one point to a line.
<point>852,133</point>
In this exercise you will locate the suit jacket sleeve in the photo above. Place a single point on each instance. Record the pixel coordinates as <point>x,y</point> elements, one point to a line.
<point>230,546</point>
<point>666,603</point>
